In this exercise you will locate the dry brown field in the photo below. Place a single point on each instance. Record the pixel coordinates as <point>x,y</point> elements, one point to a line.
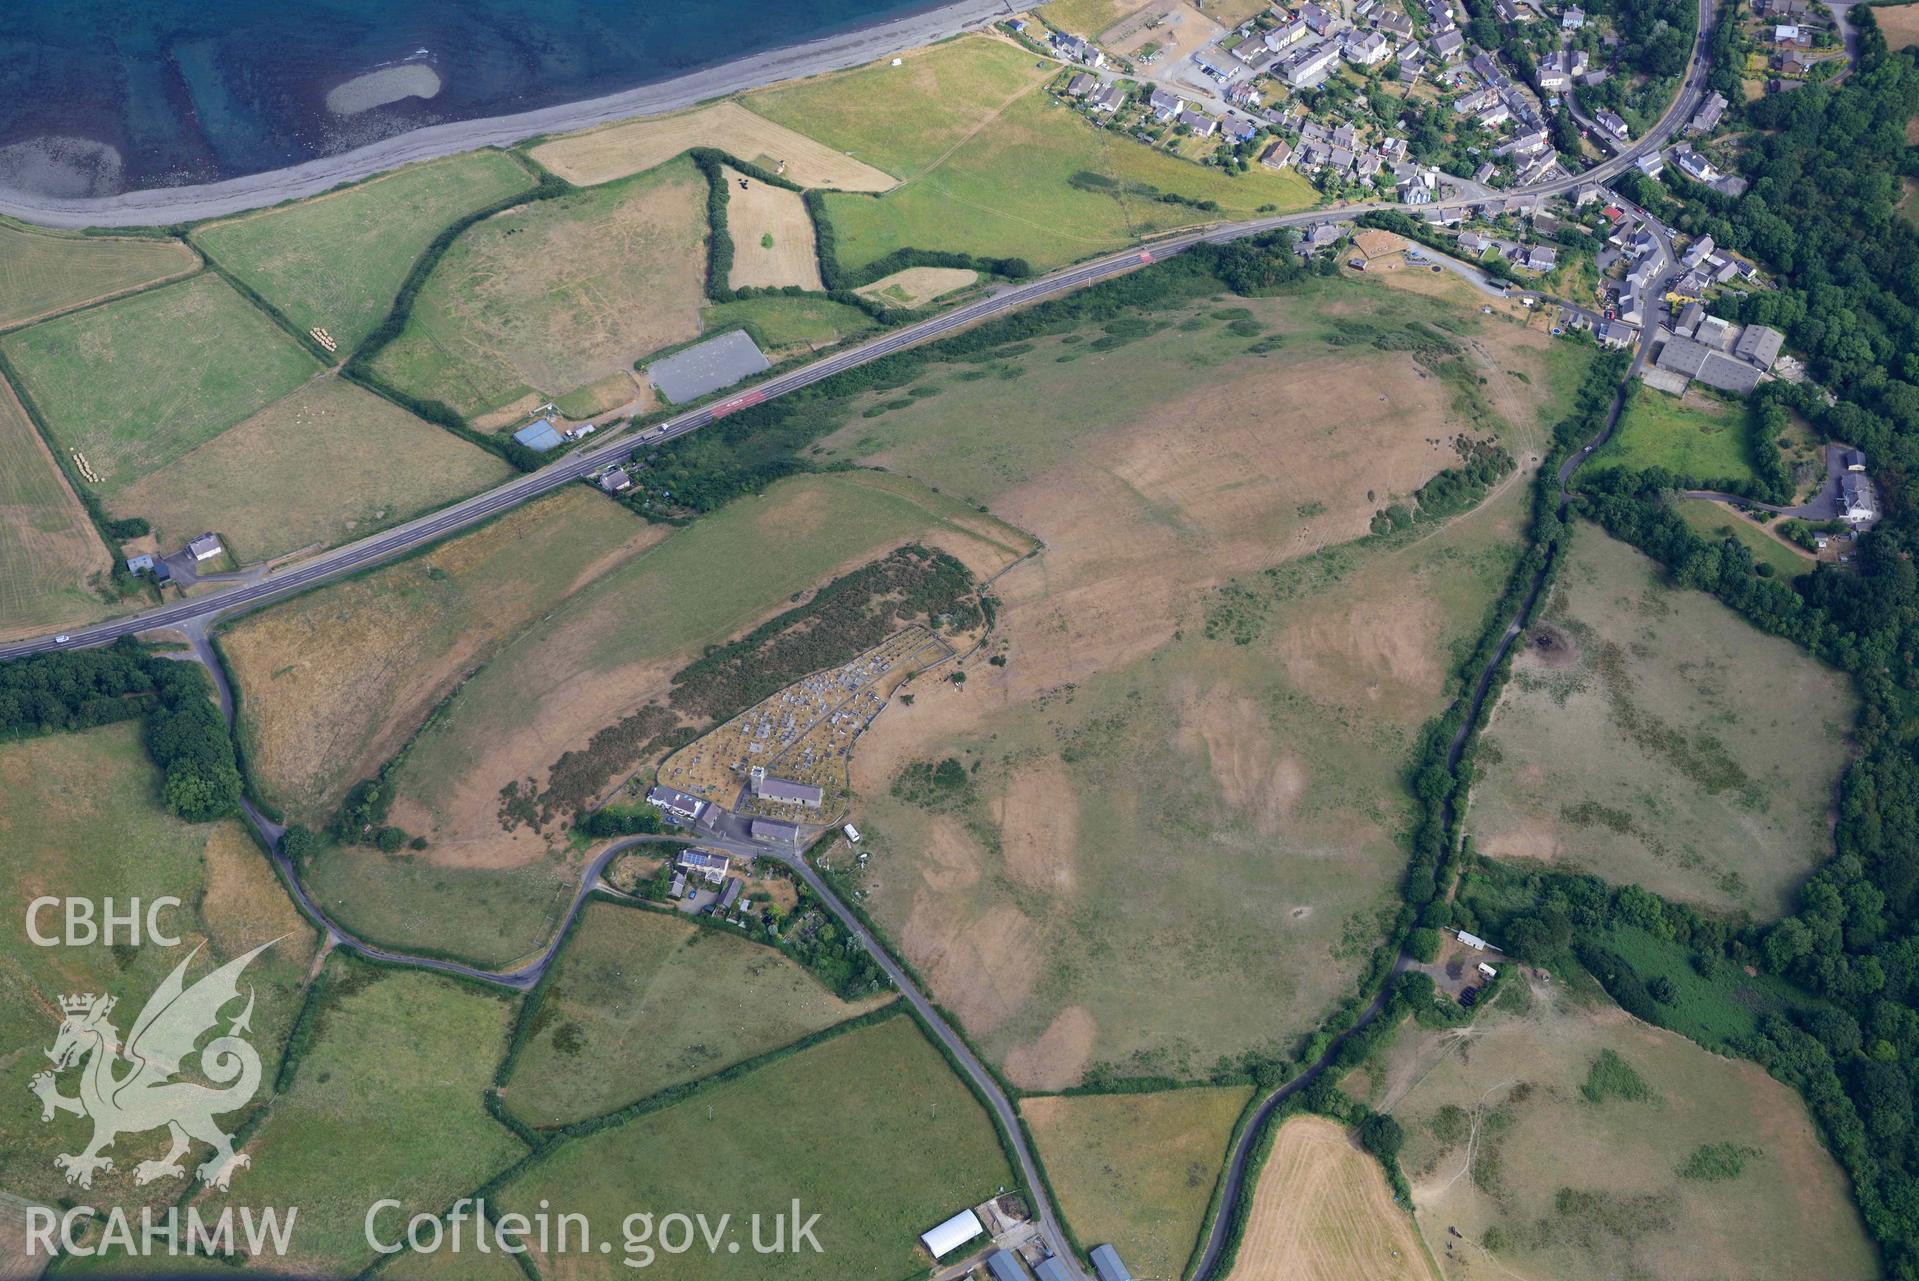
<point>1150,806</point>
<point>916,285</point>
<point>1138,1169</point>
<point>333,682</point>
<point>772,235</point>
<point>614,648</point>
<point>1544,1180</point>
<point>329,463</point>
<point>1899,23</point>
<point>1322,1211</point>
<point>48,548</point>
<point>617,150</point>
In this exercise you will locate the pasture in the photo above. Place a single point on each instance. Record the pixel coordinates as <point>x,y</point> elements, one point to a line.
<point>644,999</point>
<point>1175,775</point>
<point>1697,436</point>
<point>80,815</point>
<point>1564,1139</point>
<point>1716,521</point>
<point>1899,23</point>
<point>1136,1169</point>
<point>788,326</point>
<point>937,98</point>
<point>870,1130</point>
<point>613,648</point>
<point>43,272</point>
<point>333,682</point>
<point>49,551</point>
<point>385,1104</point>
<point>136,383</point>
<point>329,463</point>
<point>772,235</point>
<point>1651,736</point>
<point>624,149</point>
<point>335,261</point>
<point>1037,182</point>
<point>1323,1211</point>
<point>554,295</point>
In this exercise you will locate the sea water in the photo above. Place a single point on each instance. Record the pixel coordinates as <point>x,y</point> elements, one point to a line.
<point>101,96</point>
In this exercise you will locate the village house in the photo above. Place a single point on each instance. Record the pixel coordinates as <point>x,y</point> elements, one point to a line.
<point>1572,19</point>
<point>676,804</point>
<point>1368,50</point>
<point>1706,119</point>
<point>1614,124</point>
<point>1202,125</point>
<point>1164,106</point>
<point>1277,156</point>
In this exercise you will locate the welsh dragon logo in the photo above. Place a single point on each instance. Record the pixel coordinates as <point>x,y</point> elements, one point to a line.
<point>145,1096</point>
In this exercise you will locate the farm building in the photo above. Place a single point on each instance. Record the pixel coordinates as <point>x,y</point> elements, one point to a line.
<point>1107,1266</point>
<point>727,897</point>
<point>540,435</point>
<point>1473,941</point>
<point>677,804</point>
<point>767,829</point>
<point>204,548</point>
<point>140,564</point>
<point>1052,1268</point>
<point>784,790</point>
<point>1003,1265</point>
<point>952,1234</point>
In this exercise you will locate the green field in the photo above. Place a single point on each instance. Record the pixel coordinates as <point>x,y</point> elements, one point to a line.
<point>557,294</point>
<point>1712,520</point>
<point>47,271</point>
<point>336,261</point>
<point>1138,1169</point>
<point>1040,183</point>
<point>788,324</point>
<point>329,463</point>
<point>1661,740</point>
<point>1698,437</point>
<point>871,1131</point>
<point>48,548</point>
<point>643,1000</point>
<point>137,383</point>
<point>386,1103</point>
<point>80,816</point>
<point>1549,1139</point>
<point>934,101</point>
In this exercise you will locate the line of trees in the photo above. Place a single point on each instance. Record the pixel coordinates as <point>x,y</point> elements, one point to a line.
<point>185,734</point>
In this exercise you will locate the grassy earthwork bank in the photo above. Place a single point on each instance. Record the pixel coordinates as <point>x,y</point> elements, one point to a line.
<point>553,295</point>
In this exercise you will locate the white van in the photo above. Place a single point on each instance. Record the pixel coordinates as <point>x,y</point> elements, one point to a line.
<point>852,834</point>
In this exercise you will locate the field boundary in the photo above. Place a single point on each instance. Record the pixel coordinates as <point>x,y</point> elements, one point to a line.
<point>116,295</point>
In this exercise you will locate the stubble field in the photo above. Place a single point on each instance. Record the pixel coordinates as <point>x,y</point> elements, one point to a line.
<point>42,272</point>
<point>1653,737</point>
<point>772,236</point>
<point>621,150</point>
<point>1136,1169</point>
<point>1322,1211</point>
<point>48,548</point>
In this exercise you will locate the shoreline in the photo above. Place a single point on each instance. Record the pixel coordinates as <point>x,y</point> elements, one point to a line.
<point>166,206</point>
